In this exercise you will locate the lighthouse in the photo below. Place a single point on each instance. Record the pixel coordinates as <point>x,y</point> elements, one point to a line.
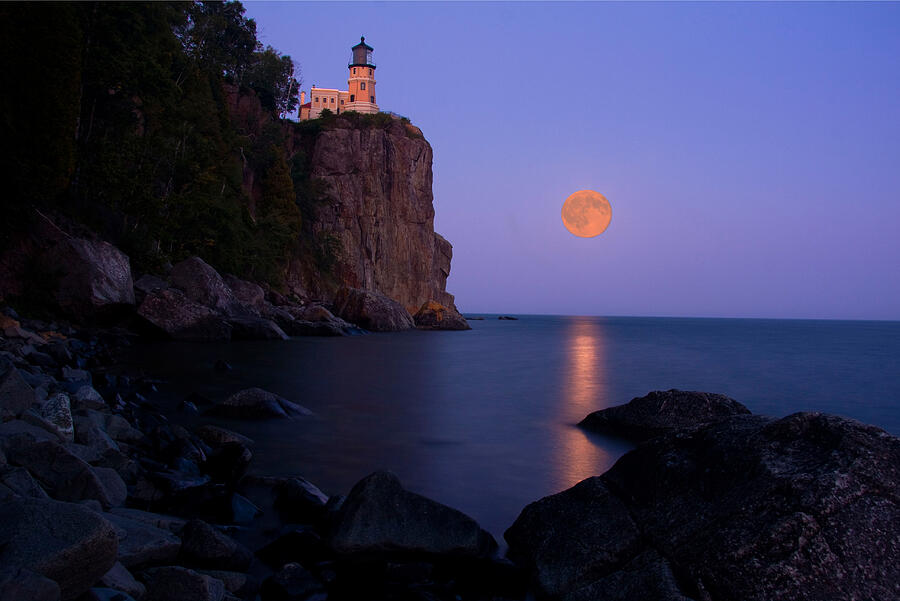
<point>361,81</point>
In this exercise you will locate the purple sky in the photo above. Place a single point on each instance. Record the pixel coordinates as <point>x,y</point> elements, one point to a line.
<point>750,152</point>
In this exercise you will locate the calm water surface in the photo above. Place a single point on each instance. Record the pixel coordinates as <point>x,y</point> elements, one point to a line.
<point>484,420</point>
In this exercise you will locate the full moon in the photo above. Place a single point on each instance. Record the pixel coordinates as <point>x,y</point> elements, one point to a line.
<point>586,213</point>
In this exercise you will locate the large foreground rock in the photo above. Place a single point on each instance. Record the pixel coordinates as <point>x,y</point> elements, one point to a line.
<point>802,508</point>
<point>67,543</point>
<point>372,311</point>
<point>175,315</point>
<point>256,403</point>
<point>663,411</point>
<point>90,277</point>
<point>380,516</point>
<point>16,396</point>
<point>203,285</point>
<point>435,316</point>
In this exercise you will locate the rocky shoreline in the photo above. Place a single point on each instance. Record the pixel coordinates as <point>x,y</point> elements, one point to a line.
<point>103,497</point>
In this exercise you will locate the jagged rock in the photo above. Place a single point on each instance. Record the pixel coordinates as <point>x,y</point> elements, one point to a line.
<point>216,436</point>
<point>113,485</point>
<point>175,315</point>
<point>64,542</point>
<point>119,578</point>
<point>16,396</point>
<point>141,544</point>
<point>256,403</point>
<point>19,481</point>
<point>85,397</point>
<point>203,285</point>
<point>148,284</point>
<point>202,546</point>
<point>751,508</point>
<point>293,582</point>
<point>239,584</point>
<point>174,583</point>
<point>157,520</point>
<point>663,411</point>
<point>20,584</point>
<point>380,214</point>
<point>435,316</point>
<point>63,475</point>
<point>255,328</point>
<point>372,311</point>
<point>57,411</point>
<point>380,516</point>
<point>91,278</point>
<point>250,295</point>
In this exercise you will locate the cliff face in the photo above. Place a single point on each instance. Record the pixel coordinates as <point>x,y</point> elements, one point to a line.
<point>379,209</point>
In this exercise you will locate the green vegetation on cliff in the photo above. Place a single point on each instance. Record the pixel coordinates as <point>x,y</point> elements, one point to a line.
<point>117,116</point>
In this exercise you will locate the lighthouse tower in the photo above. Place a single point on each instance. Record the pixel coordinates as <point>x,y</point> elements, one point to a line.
<point>361,83</point>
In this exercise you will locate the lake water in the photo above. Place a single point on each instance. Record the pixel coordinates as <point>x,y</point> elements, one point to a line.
<point>484,420</point>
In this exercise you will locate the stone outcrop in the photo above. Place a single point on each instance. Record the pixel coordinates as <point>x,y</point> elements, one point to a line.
<point>372,311</point>
<point>379,515</point>
<point>663,411</point>
<point>91,277</point>
<point>750,508</point>
<point>377,181</point>
<point>172,313</point>
<point>435,316</point>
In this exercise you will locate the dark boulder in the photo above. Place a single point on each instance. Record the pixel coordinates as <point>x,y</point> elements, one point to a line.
<point>91,278</point>
<point>256,403</point>
<point>63,475</point>
<point>170,313</point>
<point>255,328</point>
<point>20,584</point>
<point>380,516</point>
<point>295,544</point>
<point>663,411</point>
<point>175,583</point>
<point>801,508</point>
<point>142,544</point>
<point>203,285</point>
<point>435,316</point>
<point>293,583</point>
<point>203,546</point>
<point>16,396</point>
<point>65,542</point>
<point>216,436</point>
<point>250,295</point>
<point>120,579</point>
<point>372,311</point>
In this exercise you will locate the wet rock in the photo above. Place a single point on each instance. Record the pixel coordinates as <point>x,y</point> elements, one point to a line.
<point>216,436</point>
<point>99,593</point>
<point>20,584</point>
<point>663,411</point>
<point>57,411</point>
<point>141,544</point>
<point>19,482</point>
<point>202,546</point>
<point>64,542</point>
<point>255,328</point>
<point>380,516</point>
<point>174,315</point>
<point>435,316</point>
<point>372,311</point>
<point>243,510</point>
<point>299,500</point>
<point>250,295</point>
<point>228,462</point>
<point>298,327</point>
<point>175,583</point>
<point>91,278</point>
<point>748,508</point>
<point>120,579</point>
<point>16,396</point>
<point>239,584</point>
<point>293,583</point>
<point>256,403</point>
<point>63,475</point>
<point>203,285</point>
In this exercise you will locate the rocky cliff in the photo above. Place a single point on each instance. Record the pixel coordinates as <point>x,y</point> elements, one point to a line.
<point>379,208</point>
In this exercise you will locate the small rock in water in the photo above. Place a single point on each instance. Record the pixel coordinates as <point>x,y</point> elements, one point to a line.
<point>222,366</point>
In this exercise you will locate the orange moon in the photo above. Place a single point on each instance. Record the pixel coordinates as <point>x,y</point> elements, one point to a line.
<point>586,213</point>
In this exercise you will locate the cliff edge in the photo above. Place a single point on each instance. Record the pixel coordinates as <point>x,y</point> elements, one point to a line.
<point>378,208</point>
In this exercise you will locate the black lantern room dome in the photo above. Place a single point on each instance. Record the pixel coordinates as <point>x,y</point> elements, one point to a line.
<point>361,54</point>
